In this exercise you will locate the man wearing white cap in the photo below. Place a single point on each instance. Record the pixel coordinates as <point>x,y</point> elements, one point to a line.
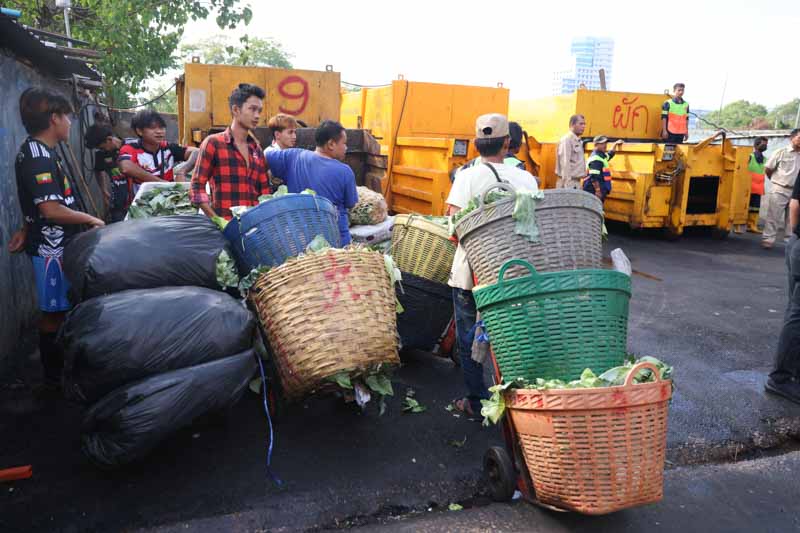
<point>491,140</point>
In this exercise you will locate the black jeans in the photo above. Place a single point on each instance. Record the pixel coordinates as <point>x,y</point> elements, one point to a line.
<point>787,357</point>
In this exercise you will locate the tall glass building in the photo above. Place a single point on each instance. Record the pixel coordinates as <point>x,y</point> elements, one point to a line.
<point>589,55</point>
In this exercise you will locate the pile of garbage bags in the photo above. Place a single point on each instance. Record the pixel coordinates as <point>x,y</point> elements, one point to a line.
<point>144,254</point>
<point>154,343</point>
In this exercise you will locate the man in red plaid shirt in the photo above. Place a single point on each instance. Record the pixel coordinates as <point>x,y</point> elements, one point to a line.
<point>232,162</point>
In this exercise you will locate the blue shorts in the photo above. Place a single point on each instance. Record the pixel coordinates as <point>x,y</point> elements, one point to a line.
<point>51,284</point>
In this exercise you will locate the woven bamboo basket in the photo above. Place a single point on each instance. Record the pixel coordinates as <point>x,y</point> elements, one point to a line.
<point>327,313</point>
<point>595,451</point>
<point>422,248</point>
<point>570,234</point>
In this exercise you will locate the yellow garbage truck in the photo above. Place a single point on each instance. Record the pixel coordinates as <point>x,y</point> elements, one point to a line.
<point>654,185</point>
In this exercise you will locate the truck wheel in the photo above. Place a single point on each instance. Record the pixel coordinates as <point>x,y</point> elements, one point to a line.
<point>720,234</point>
<point>500,474</point>
<point>670,234</point>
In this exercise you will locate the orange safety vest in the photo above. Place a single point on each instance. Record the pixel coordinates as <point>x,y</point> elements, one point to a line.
<point>757,174</point>
<point>678,117</point>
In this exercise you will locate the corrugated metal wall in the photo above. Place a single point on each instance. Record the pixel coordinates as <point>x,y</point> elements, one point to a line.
<point>18,306</point>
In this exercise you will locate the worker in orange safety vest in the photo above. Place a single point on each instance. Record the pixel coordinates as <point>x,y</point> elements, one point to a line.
<point>675,117</point>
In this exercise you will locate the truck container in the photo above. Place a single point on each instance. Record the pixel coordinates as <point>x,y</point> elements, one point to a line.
<point>426,130</point>
<point>654,184</point>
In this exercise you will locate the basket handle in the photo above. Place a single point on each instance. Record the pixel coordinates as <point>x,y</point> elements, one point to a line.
<point>502,185</point>
<point>512,262</point>
<point>633,372</point>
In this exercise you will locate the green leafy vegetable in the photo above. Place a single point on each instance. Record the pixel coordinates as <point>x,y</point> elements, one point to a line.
<point>380,383</point>
<point>255,385</point>
<point>494,408</point>
<point>410,405</point>
<point>375,379</point>
<point>342,379</point>
<point>474,202</point>
<point>247,282</point>
<point>282,191</point>
<point>317,244</point>
<point>220,222</point>
<point>395,275</point>
<point>226,271</point>
<point>524,214</point>
<point>162,201</point>
<point>442,221</point>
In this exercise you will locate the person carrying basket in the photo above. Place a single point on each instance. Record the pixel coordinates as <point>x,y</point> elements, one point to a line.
<point>492,141</point>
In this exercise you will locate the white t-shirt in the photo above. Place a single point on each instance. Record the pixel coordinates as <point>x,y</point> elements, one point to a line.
<point>469,183</point>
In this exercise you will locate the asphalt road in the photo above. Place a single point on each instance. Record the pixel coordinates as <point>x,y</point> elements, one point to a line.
<point>759,495</point>
<point>711,308</point>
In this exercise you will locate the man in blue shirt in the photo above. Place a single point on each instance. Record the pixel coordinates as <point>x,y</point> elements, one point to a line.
<point>321,170</point>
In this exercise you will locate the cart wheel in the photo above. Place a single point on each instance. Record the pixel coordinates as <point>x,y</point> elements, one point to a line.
<point>499,471</point>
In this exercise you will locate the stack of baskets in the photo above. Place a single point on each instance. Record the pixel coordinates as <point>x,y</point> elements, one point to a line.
<point>551,312</point>
<point>423,251</point>
<point>322,312</point>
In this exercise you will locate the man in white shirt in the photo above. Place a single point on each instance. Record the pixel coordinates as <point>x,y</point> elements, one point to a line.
<point>782,169</point>
<point>492,140</point>
<point>570,160</point>
<point>284,136</point>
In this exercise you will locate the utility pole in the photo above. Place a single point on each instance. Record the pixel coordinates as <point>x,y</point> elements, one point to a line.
<point>797,116</point>
<point>66,5</point>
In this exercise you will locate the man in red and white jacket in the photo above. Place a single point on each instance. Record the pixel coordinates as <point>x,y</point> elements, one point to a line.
<point>151,158</point>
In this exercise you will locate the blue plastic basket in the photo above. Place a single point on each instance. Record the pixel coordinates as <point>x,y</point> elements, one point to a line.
<point>274,231</point>
<point>234,237</point>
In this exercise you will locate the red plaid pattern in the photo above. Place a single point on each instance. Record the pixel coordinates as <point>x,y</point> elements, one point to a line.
<point>231,181</point>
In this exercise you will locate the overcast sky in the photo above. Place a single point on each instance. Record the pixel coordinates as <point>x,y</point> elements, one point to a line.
<point>751,44</point>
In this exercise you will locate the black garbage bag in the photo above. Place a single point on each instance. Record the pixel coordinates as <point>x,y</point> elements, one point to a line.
<point>428,307</point>
<point>128,423</point>
<point>142,254</point>
<point>113,340</point>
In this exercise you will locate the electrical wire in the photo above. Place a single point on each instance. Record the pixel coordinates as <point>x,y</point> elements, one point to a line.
<point>275,479</point>
<point>144,104</point>
<point>366,86</point>
<point>715,126</point>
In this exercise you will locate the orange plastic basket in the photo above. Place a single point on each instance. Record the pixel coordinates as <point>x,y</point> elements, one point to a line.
<point>595,451</point>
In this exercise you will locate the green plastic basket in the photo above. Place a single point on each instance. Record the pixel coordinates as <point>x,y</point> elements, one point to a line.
<point>556,324</point>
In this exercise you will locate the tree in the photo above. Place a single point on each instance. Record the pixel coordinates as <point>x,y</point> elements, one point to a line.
<point>738,114</point>
<point>138,37</point>
<point>221,50</point>
<point>784,116</point>
<point>165,96</point>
